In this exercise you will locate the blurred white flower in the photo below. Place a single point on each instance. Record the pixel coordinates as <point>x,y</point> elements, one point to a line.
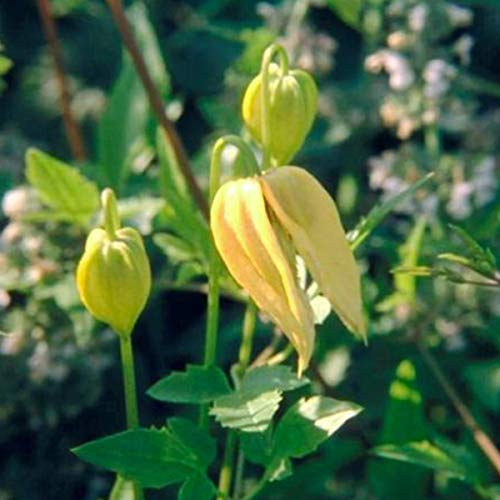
<point>484,181</point>
<point>459,204</point>
<point>11,233</point>
<point>462,48</point>
<point>401,75</point>
<point>460,17</point>
<point>437,75</point>
<point>417,17</point>
<point>18,201</point>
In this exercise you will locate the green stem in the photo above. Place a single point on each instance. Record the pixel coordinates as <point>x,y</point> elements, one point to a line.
<point>281,356</point>
<point>247,338</point>
<point>238,476</point>
<point>257,489</point>
<point>267,58</point>
<point>127,362</point>
<point>110,209</point>
<point>127,359</point>
<point>226,472</point>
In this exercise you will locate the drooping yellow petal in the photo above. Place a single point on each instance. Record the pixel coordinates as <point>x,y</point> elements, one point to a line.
<point>309,215</point>
<point>246,241</point>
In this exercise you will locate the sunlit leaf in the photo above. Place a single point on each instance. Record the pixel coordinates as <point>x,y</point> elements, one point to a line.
<point>422,453</point>
<point>309,423</point>
<point>70,195</point>
<point>248,412</point>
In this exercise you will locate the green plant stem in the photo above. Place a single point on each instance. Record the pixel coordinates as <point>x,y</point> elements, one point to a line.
<point>127,359</point>
<point>245,352</point>
<point>267,58</point>
<point>130,392</point>
<point>281,356</point>
<point>155,101</point>
<point>226,471</point>
<point>238,476</point>
<point>257,489</point>
<point>248,330</point>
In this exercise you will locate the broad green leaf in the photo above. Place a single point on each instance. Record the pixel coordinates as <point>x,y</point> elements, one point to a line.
<point>196,385</point>
<point>378,213</point>
<point>70,195</point>
<point>197,487</point>
<point>310,422</point>
<point>484,380</point>
<point>422,453</point>
<point>154,458</point>
<point>404,421</point>
<point>348,10</point>
<point>257,446</point>
<point>248,412</point>
<point>268,378</point>
<point>198,440</point>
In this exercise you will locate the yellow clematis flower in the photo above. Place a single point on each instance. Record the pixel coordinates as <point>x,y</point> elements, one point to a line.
<point>260,223</point>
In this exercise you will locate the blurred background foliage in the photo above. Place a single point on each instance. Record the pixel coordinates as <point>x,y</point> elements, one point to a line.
<point>407,87</point>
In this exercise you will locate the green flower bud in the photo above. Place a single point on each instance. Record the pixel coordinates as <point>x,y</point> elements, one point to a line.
<point>292,103</point>
<point>113,276</point>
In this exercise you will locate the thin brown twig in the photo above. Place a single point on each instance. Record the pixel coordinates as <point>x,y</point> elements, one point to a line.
<point>118,14</point>
<point>484,442</point>
<point>70,124</point>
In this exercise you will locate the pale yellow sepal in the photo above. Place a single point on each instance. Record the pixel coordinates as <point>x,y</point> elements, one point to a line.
<point>310,217</point>
<point>257,258</point>
<point>114,278</point>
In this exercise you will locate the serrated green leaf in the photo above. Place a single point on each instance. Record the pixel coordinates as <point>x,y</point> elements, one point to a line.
<point>196,385</point>
<point>378,213</point>
<point>71,196</point>
<point>248,412</point>
<point>268,378</point>
<point>198,440</point>
<point>310,422</point>
<point>152,457</point>
<point>422,453</point>
<point>197,487</point>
